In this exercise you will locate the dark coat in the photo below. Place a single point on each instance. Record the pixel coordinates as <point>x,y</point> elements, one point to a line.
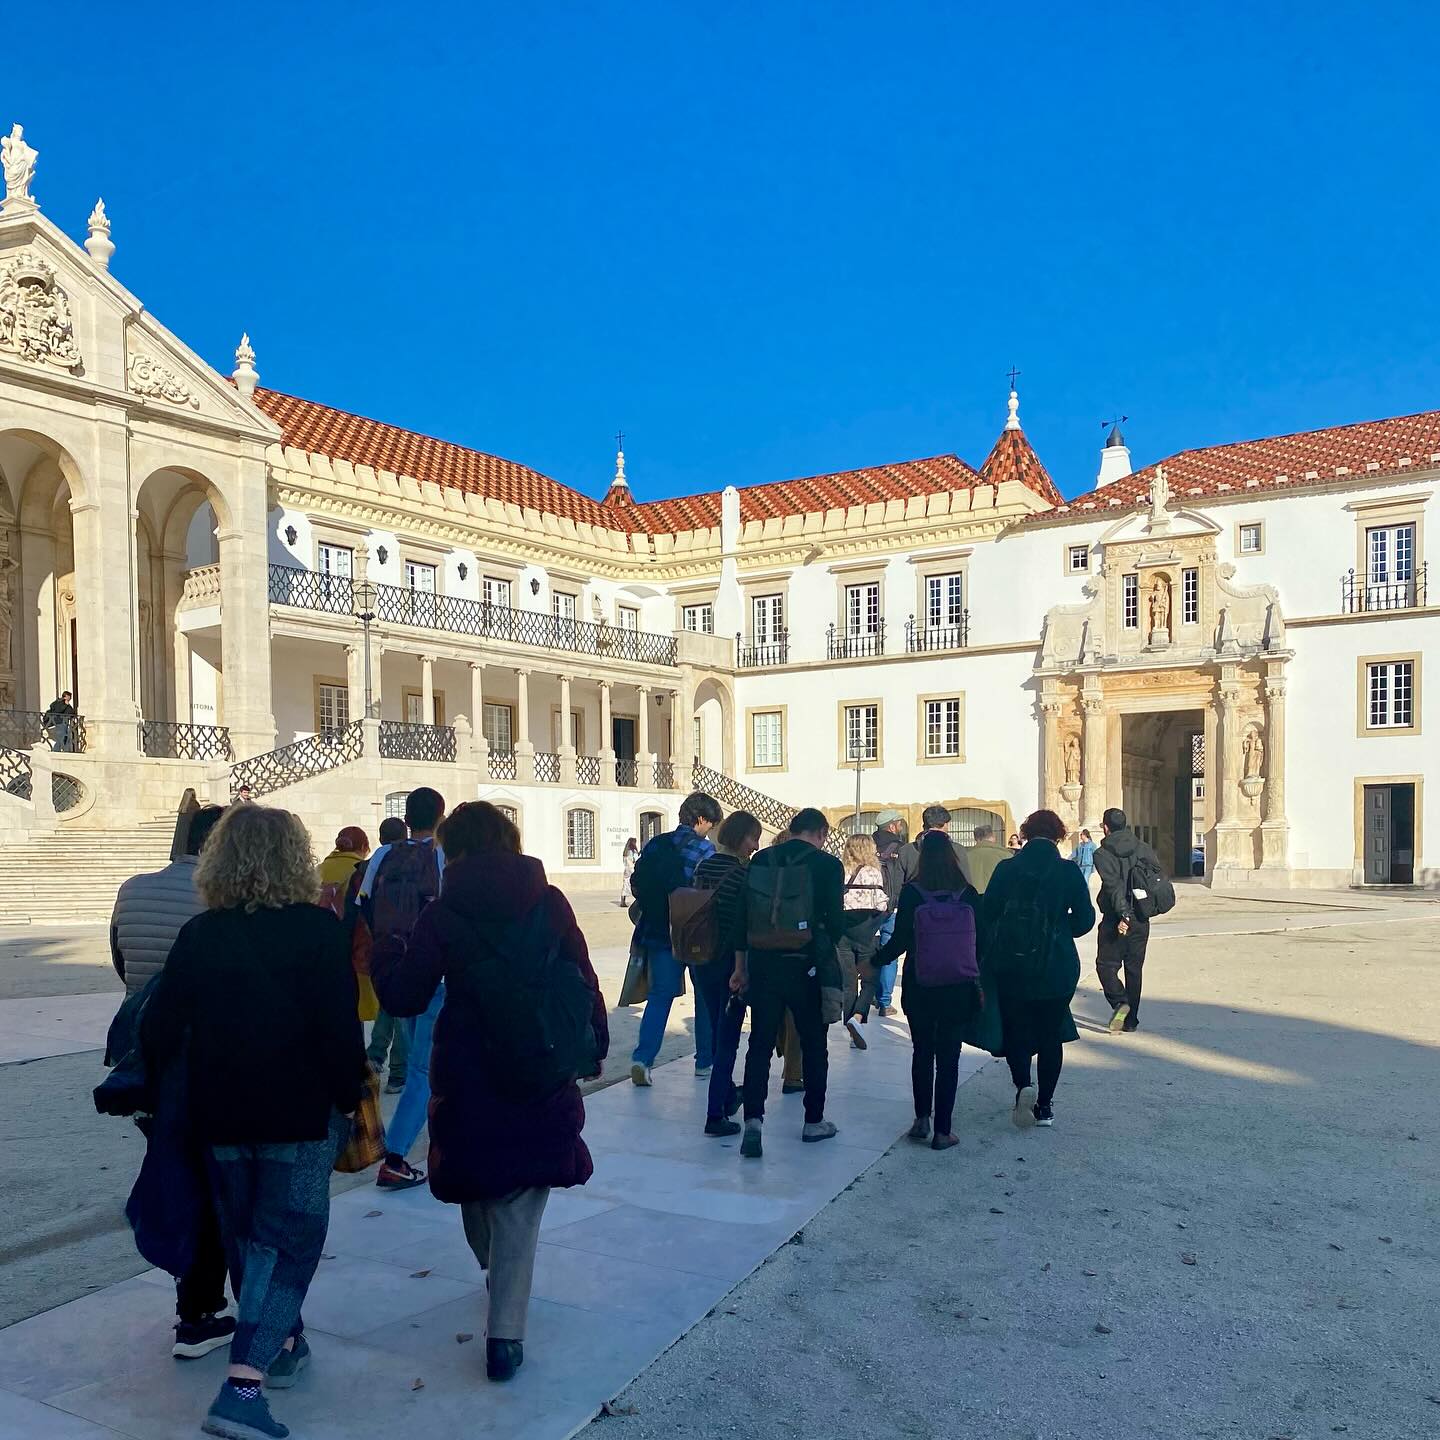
<point>484,1145</point>
<point>275,1042</point>
<point>948,1002</point>
<point>827,877</point>
<point>1114,859</point>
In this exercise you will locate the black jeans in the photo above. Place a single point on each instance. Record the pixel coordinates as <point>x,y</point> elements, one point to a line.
<point>857,947</point>
<point>712,990</point>
<point>1115,952</point>
<point>778,982</point>
<point>935,1067</point>
<point>1050,1058</point>
<point>201,1289</point>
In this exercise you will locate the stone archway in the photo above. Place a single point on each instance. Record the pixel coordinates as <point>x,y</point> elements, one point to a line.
<point>714,709</point>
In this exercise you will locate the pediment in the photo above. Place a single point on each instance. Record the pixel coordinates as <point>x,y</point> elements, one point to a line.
<point>1138,527</point>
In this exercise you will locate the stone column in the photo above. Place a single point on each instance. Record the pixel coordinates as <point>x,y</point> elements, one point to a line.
<point>644,759</point>
<point>524,748</point>
<point>607,747</point>
<point>182,677</point>
<point>1051,762</point>
<point>567,734</point>
<point>355,680</point>
<point>167,697</point>
<point>682,725</point>
<point>427,689</point>
<point>1275,830</point>
<point>477,713</point>
<point>245,611</point>
<point>1232,862</point>
<point>1094,743</point>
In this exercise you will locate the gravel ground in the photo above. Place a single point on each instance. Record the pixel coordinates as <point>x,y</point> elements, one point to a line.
<point>1232,1231</point>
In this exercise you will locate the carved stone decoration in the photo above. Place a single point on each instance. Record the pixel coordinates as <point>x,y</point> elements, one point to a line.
<point>149,377</point>
<point>1253,748</point>
<point>35,320</point>
<point>1072,759</point>
<point>18,160</point>
<point>1160,611</point>
<point>1159,499</point>
<point>8,570</point>
<point>98,244</point>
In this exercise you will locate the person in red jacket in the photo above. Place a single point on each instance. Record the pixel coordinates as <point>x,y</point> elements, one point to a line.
<point>494,1155</point>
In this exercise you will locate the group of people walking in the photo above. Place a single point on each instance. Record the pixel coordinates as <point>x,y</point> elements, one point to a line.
<point>250,971</point>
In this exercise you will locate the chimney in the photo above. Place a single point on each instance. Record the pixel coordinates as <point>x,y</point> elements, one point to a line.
<point>1114,459</point>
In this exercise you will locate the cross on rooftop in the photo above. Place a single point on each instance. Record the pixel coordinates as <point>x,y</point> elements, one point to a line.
<point>1013,373</point>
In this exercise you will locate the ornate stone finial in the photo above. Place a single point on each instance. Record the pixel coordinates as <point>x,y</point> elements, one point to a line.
<point>18,160</point>
<point>98,243</point>
<point>1159,499</point>
<point>245,375</point>
<point>620,479</point>
<point>1013,423</point>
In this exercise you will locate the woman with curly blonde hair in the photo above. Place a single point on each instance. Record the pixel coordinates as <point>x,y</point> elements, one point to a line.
<point>259,998</point>
<point>866,904</point>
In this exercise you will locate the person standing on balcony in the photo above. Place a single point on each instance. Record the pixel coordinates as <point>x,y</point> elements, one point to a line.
<point>889,842</point>
<point>388,1036</point>
<point>666,863</point>
<point>628,858</point>
<point>400,881</point>
<point>59,722</point>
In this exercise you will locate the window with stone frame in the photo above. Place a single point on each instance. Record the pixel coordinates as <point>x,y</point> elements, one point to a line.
<point>1130,601</point>
<point>942,728</point>
<point>579,834</point>
<point>767,740</point>
<point>332,707</point>
<point>498,722</point>
<point>1391,695</point>
<point>698,619</point>
<point>1190,596</point>
<point>1077,559</point>
<point>862,733</point>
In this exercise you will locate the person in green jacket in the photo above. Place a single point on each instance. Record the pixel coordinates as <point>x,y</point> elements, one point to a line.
<point>1036,904</point>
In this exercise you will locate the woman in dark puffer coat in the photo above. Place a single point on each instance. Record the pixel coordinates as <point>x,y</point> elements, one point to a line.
<point>495,1156</point>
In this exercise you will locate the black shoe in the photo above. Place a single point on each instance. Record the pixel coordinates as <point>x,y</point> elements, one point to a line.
<point>194,1338</point>
<point>1130,1025</point>
<point>920,1130</point>
<point>503,1358</point>
<point>718,1125</point>
<point>792,1087</point>
<point>1045,1116</point>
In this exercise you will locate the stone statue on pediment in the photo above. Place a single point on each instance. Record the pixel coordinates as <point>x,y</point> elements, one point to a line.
<point>1159,500</point>
<point>18,161</point>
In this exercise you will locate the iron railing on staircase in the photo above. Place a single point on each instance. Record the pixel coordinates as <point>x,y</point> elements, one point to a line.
<point>179,740</point>
<point>299,760</point>
<point>40,730</point>
<point>15,773</point>
<point>775,815</point>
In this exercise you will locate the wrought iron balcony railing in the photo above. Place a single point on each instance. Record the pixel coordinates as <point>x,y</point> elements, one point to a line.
<point>856,645</point>
<point>664,775</point>
<point>502,765</point>
<point>775,651</point>
<point>456,615</point>
<point>41,730</point>
<point>587,769</point>
<point>15,773</point>
<point>1361,591</point>
<point>547,767</point>
<point>627,772</point>
<point>937,637</point>
<point>299,760</point>
<point>402,740</point>
<point>177,740</point>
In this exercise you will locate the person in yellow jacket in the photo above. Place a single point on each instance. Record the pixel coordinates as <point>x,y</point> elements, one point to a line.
<point>340,874</point>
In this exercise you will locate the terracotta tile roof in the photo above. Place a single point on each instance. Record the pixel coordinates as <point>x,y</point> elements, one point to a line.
<point>779,498</point>
<point>1014,458</point>
<point>1280,463</point>
<point>343,436</point>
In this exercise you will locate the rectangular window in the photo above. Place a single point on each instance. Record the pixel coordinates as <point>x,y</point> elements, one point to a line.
<point>499,727</point>
<point>1390,567</point>
<point>1251,538</point>
<point>420,577</point>
<point>1190,597</point>
<point>629,618</point>
<point>767,614</point>
<point>564,603</point>
<point>862,733</point>
<point>944,601</point>
<point>332,703</point>
<point>862,609</point>
<point>1130,598</point>
<point>579,835</point>
<point>1077,559</point>
<point>700,619</point>
<point>699,740</point>
<point>1392,695</point>
<point>496,591</point>
<point>337,560</point>
<point>942,728</point>
<point>767,744</point>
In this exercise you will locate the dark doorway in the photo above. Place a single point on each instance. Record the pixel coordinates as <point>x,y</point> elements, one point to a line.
<point>1390,834</point>
<point>1185,826</point>
<point>622,736</point>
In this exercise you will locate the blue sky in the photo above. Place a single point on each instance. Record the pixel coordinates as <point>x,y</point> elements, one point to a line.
<point>772,240</point>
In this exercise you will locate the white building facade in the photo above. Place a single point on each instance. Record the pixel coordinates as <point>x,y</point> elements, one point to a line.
<point>239,586</point>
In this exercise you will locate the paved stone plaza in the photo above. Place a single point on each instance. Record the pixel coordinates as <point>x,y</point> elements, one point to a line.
<point>1271,1122</point>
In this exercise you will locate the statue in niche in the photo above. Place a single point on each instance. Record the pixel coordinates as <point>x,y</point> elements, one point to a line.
<point>1160,605</point>
<point>1072,759</point>
<point>1253,749</point>
<point>18,160</point>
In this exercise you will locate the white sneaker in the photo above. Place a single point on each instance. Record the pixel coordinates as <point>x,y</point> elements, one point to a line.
<point>639,1074</point>
<point>1023,1115</point>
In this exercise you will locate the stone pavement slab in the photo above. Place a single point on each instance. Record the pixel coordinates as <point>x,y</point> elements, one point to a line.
<point>670,1223</point>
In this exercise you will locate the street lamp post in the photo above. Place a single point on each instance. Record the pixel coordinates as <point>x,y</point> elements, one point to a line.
<point>859,770</point>
<point>364,597</point>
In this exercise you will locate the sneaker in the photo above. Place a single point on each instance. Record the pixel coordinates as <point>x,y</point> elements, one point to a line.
<point>394,1086</point>
<point>719,1125</point>
<point>233,1417</point>
<point>194,1338</point>
<point>399,1175</point>
<point>1045,1116</point>
<point>288,1365</point>
<point>884,1011</point>
<point>752,1147</point>
<point>944,1142</point>
<point>702,1072</point>
<point>818,1130</point>
<point>1118,1019</point>
<point>920,1130</point>
<point>792,1087</point>
<point>857,1040</point>
<point>503,1358</point>
<point>1023,1115</point>
<point>639,1074</point>
<point>1131,1025</point>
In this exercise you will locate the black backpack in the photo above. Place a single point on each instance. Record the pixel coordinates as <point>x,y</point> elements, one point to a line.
<point>780,905</point>
<point>406,882</point>
<point>1151,891</point>
<point>533,1008</point>
<point>1022,934</point>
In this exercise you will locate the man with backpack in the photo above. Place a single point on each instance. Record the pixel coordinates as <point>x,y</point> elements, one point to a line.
<point>794,917</point>
<point>400,881</point>
<point>668,864</point>
<point>1133,889</point>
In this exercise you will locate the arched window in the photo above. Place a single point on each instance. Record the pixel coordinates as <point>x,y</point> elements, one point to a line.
<point>862,824</point>
<point>395,804</point>
<point>652,822</point>
<point>579,834</point>
<point>963,822</point>
<point>510,813</point>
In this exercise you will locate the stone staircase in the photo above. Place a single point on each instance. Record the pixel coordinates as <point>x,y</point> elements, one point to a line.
<point>71,876</point>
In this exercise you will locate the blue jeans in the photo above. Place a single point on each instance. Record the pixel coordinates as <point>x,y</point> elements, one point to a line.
<point>414,1106</point>
<point>666,977</point>
<point>886,976</point>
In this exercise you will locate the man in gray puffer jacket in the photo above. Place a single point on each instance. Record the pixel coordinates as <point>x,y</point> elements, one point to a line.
<point>151,909</point>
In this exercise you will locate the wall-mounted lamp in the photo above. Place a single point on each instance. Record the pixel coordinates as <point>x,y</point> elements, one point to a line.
<point>463,568</point>
<point>534,586</point>
<point>381,554</point>
<point>291,534</point>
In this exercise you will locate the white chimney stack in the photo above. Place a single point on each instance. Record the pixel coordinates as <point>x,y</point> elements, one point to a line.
<point>1114,459</point>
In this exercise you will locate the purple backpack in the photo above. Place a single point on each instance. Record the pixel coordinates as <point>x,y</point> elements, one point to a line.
<point>944,940</point>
